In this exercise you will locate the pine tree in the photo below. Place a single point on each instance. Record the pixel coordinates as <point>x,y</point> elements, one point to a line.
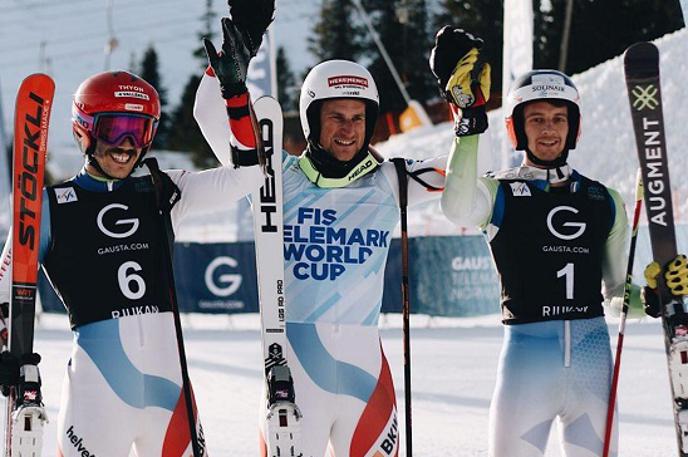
<point>416,42</point>
<point>600,30</point>
<point>149,70</point>
<point>184,133</point>
<point>383,15</point>
<point>483,18</point>
<point>336,35</point>
<point>287,91</point>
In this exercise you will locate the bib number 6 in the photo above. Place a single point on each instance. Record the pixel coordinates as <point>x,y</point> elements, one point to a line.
<point>132,285</point>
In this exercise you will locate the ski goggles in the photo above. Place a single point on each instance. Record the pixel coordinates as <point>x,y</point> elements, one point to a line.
<point>113,128</point>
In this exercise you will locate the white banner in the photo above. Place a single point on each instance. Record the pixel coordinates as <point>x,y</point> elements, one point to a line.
<point>261,78</point>
<point>518,53</point>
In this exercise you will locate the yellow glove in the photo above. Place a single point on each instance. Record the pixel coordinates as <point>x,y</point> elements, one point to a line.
<point>469,83</point>
<point>675,274</point>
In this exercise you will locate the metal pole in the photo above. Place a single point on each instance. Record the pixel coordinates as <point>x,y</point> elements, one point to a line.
<point>383,51</point>
<point>564,50</point>
<point>112,41</point>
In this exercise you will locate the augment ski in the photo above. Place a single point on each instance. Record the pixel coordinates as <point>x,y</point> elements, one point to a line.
<point>641,64</point>
<point>283,424</point>
<point>25,412</point>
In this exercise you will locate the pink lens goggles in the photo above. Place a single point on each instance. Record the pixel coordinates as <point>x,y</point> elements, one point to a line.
<point>115,127</point>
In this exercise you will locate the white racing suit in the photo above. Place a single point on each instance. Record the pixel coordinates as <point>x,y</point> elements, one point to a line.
<point>556,360</point>
<point>123,385</point>
<point>336,245</point>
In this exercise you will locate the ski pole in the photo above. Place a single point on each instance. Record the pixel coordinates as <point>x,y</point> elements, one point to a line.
<point>406,305</point>
<point>624,312</point>
<point>197,448</point>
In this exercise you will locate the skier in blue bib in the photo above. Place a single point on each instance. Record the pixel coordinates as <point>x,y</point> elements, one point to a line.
<point>340,208</point>
<point>555,236</point>
<point>103,248</point>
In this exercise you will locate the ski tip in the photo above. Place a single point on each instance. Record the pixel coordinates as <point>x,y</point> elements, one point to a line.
<point>641,60</point>
<point>39,83</point>
<point>40,77</point>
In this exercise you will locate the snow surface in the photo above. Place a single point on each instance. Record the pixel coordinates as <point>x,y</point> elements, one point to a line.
<point>454,367</point>
<point>606,150</point>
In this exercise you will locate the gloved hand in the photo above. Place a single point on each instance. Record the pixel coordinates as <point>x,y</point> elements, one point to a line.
<point>230,66</point>
<point>9,371</point>
<point>13,369</point>
<point>252,18</point>
<point>676,277</point>
<point>463,79</point>
<point>242,36</point>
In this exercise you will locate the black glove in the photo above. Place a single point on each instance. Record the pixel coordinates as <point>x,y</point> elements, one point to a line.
<point>9,371</point>
<point>231,65</point>
<point>676,278</point>
<point>651,303</point>
<point>451,44</point>
<point>464,80</point>
<point>12,370</point>
<point>252,18</point>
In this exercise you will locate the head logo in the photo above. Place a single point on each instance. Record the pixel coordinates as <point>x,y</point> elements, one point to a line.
<point>645,97</point>
<point>228,283</point>
<point>133,224</point>
<point>579,226</point>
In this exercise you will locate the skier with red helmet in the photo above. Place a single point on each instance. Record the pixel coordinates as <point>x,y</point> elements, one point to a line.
<point>124,388</point>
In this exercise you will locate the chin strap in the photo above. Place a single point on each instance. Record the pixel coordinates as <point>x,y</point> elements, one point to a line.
<point>558,162</point>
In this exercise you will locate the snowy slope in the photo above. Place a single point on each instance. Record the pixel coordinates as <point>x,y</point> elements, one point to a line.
<point>454,370</point>
<point>607,149</point>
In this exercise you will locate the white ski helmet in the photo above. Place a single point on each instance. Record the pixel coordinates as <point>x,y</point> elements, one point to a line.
<point>336,79</point>
<point>541,85</point>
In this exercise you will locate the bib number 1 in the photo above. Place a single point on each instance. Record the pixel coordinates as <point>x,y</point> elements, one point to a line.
<point>567,273</point>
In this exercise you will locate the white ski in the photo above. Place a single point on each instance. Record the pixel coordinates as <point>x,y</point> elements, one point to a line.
<point>283,416</point>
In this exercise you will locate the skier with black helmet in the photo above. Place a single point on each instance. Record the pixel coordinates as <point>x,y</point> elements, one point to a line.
<point>123,388</point>
<point>340,208</point>
<point>556,236</point>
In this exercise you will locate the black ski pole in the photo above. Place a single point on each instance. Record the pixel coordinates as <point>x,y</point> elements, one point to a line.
<point>166,228</point>
<point>624,312</point>
<point>406,304</point>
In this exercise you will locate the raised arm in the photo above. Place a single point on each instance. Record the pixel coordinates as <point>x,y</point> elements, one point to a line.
<point>465,82</point>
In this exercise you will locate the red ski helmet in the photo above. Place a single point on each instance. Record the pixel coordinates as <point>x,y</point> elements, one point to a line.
<point>115,95</point>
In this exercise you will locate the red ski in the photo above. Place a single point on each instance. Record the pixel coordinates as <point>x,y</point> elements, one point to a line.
<point>25,413</point>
